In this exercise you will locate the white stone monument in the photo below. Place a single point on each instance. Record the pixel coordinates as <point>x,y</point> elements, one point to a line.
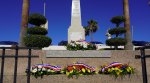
<point>76,31</point>
<point>46,24</point>
<point>108,34</point>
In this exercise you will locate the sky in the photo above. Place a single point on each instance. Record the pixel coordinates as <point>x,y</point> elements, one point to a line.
<point>58,13</point>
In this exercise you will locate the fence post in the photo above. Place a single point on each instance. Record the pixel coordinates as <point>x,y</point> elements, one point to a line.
<point>29,65</point>
<point>2,65</point>
<point>144,71</point>
<point>16,64</point>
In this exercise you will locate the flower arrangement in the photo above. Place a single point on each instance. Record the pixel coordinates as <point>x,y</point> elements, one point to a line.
<point>117,69</point>
<point>80,45</point>
<point>40,70</point>
<point>79,69</point>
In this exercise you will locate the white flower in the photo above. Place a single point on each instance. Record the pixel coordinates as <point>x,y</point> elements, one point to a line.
<point>85,46</point>
<point>34,70</point>
<point>39,69</point>
<point>73,44</point>
<point>48,70</point>
<point>43,69</point>
<point>77,42</point>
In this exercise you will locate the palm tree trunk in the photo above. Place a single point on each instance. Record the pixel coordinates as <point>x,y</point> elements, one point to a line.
<point>91,35</point>
<point>24,22</point>
<point>129,45</point>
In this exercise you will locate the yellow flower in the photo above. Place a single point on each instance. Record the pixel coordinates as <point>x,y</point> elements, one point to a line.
<point>120,70</point>
<point>129,69</point>
<point>62,71</point>
<point>96,72</point>
<point>112,68</point>
<point>118,73</point>
<point>71,71</point>
<point>52,71</point>
<point>89,70</point>
<point>109,70</point>
<point>83,70</point>
<point>67,73</point>
<point>74,67</point>
<point>116,68</point>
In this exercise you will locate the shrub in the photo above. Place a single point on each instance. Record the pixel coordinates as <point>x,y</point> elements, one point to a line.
<point>37,19</point>
<point>117,20</point>
<point>37,31</point>
<point>117,31</point>
<point>39,41</point>
<point>116,41</point>
<point>63,43</point>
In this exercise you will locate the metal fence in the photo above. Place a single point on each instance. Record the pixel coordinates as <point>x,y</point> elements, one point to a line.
<point>15,56</point>
<point>143,61</point>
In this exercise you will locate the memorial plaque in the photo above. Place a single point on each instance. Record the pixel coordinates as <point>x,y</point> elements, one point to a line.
<point>76,36</point>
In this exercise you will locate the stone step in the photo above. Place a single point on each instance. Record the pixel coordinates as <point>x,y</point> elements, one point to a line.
<point>78,54</point>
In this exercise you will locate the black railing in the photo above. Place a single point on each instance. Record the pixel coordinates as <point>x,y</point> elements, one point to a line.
<point>143,62</point>
<point>16,61</point>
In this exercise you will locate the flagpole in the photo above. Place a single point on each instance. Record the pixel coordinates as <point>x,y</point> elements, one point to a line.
<point>132,32</point>
<point>44,7</point>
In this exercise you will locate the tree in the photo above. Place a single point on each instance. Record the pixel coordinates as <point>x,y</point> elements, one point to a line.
<point>116,41</point>
<point>37,19</point>
<point>37,35</point>
<point>91,28</point>
<point>117,20</point>
<point>86,31</point>
<point>117,31</point>
<point>63,43</point>
<point>129,45</point>
<point>24,22</point>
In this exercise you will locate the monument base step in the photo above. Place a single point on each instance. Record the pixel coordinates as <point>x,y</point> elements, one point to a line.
<point>55,48</point>
<point>78,54</point>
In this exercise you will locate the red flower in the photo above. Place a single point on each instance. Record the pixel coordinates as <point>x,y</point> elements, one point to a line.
<point>70,68</point>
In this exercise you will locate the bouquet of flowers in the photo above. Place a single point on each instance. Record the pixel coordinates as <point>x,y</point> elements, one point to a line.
<point>78,69</point>
<point>40,70</point>
<point>80,45</point>
<point>117,69</point>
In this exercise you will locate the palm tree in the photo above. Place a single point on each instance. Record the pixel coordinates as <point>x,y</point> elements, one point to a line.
<point>129,45</point>
<point>86,31</point>
<point>91,28</point>
<point>24,22</point>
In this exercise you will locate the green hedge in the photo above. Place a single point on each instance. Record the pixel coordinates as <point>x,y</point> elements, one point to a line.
<point>118,20</point>
<point>116,41</point>
<point>37,19</point>
<point>37,31</point>
<point>117,31</point>
<point>39,41</point>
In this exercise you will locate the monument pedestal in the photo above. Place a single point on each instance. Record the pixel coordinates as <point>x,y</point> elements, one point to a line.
<point>75,34</point>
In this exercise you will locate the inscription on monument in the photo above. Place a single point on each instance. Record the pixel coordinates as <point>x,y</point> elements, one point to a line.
<point>76,36</point>
<point>76,8</point>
